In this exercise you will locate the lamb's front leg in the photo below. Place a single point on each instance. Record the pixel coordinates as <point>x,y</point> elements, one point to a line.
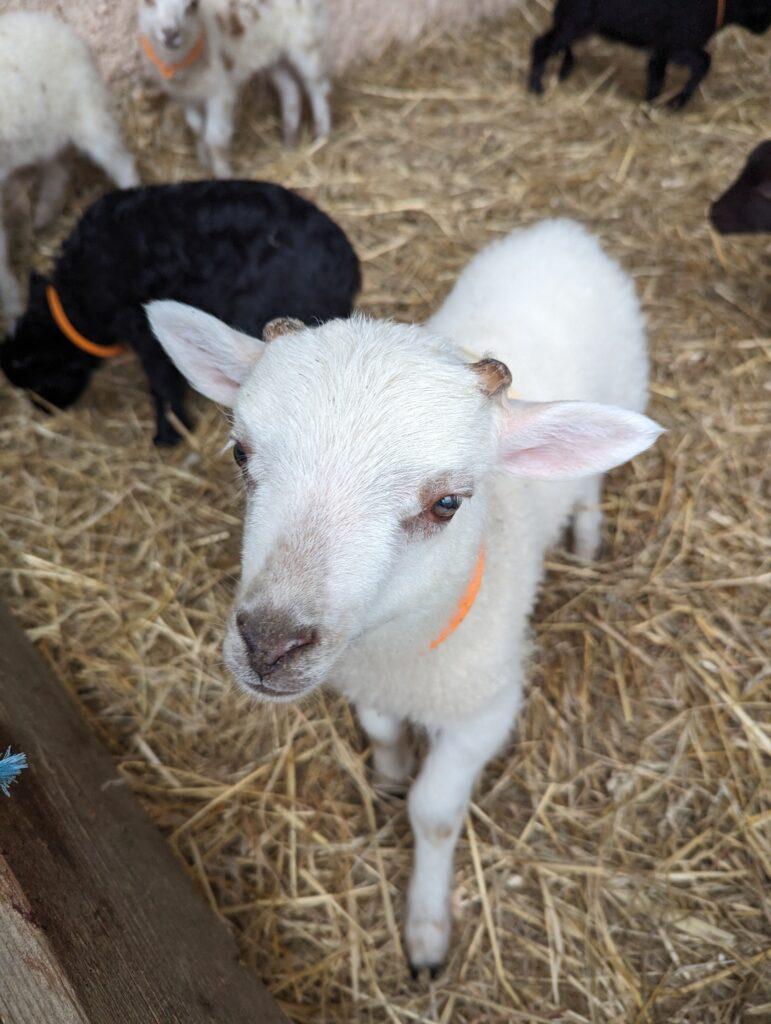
<point>392,753</point>
<point>437,806</point>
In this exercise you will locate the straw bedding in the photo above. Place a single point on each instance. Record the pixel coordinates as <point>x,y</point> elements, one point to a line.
<point>614,866</point>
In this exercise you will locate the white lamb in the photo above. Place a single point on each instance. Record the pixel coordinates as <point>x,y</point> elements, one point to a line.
<point>52,96</point>
<point>382,554</point>
<point>205,50</point>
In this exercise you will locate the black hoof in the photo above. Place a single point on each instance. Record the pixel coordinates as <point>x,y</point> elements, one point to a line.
<point>535,85</point>
<point>434,970</point>
<point>678,102</point>
<point>167,438</point>
<point>183,416</point>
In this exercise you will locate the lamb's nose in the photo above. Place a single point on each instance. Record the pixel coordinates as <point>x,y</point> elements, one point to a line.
<point>270,639</point>
<point>172,37</point>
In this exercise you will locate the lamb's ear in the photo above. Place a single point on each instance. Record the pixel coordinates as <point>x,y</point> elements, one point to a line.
<point>215,358</point>
<point>565,440</point>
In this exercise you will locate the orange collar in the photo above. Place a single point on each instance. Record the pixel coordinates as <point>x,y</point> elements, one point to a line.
<point>72,333</point>
<point>466,602</point>
<point>720,16</point>
<point>169,70</point>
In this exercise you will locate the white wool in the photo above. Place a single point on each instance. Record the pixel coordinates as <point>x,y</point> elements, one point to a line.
<point>52,96</point>
<point>565,319</point>
<point>357,29</point>
<point>350,432</point>
<point>283,38</point>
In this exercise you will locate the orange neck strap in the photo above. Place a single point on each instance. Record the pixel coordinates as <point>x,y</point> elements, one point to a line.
<point>72,333</point>
<point>720,16</point>
<point>169,70</point>
<point>466,602</point>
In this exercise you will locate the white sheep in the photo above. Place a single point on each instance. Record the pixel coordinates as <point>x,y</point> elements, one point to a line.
<point>52,96</point>
<point>381,552</point>
<point>203,51</point>
<point>355,30</point>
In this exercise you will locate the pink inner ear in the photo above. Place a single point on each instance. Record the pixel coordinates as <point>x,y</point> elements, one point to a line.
<point>553,459</point>
<point>563,440</point>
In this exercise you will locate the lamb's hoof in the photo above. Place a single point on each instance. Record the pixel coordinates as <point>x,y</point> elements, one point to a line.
<point>221,167</point>
<point>587,554</point>
<point>427,943</point>
<point>434,970</point>
<point>392,787</point>
<point>392,772</point>
<point>678,102</point>
<point>167,438</point>
<point>535,85</point>
<point>183,416</point>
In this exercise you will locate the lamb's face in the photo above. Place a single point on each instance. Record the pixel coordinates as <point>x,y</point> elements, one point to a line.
<point>361,445</point>
<point>170,24</point>
<point>38,358</point>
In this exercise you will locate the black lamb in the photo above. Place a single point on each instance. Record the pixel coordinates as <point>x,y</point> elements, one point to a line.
<point>676,30</point>
<point>746,206</point>
<point>247,252</point>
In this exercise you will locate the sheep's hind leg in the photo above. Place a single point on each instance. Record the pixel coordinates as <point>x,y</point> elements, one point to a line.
<point>392,753</point>
<point>698,62</point>
<point>587,520</point>
<point>50,197</point>
<point>194,119</point>
<point>218,130</point>
<point>290,101</point>
<point>112,156</point>
<point>437,805</point>
<point>317,86</point>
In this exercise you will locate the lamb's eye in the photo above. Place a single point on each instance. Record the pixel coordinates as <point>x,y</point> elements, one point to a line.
<point>240,455</point>
<point>447,506</point>
<point>192,6</point>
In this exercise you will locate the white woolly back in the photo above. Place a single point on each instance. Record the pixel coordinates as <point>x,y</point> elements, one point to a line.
<point>37,120</point>
<point>561,314</point>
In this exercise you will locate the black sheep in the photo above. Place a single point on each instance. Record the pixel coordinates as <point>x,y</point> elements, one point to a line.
<point>676,30</point>
<point>746,206</point>
<point>247,252</point>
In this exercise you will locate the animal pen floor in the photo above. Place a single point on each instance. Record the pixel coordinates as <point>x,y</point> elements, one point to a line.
<point>612,868</point>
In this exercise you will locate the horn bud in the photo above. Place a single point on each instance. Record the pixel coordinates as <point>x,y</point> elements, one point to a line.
<point>494,376</point>
<point>281,325</point>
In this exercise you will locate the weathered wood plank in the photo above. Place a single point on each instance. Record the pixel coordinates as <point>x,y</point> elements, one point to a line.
<point>33,989</point>
<point>135,942</point>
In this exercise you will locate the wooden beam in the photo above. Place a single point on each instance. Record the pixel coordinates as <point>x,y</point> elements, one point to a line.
<point>91,886</point>
<point>32,986</point>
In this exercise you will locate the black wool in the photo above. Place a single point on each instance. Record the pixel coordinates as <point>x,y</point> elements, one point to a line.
<point>246,252</point>
<point>674,30</point>
<point>746,206</point>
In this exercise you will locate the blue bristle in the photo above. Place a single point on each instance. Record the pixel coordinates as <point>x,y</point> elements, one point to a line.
<point>10,766</point>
